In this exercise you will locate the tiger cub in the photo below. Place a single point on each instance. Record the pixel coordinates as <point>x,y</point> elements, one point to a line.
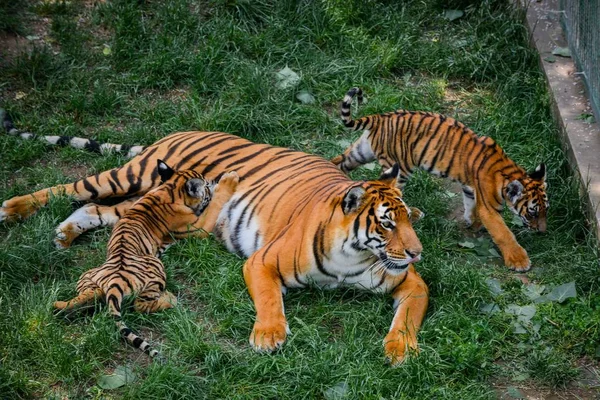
<point>447,148</point>
<point>132,268</point>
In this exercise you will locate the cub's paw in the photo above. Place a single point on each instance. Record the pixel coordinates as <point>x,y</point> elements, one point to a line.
<point>397,348</point>
<point>266,338</point>
<point>517,260</point>
<point>229,181</point>
<point>64,236</point>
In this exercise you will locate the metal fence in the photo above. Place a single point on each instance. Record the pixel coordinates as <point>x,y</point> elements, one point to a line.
<point>581,21</point>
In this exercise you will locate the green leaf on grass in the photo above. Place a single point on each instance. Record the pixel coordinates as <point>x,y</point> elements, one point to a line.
<point>520,377</point>
<point>467,244</point>
<point>336,392</point>
<point>562,51</point>
<point>120,377</point>
<point>550,59</point>
<point>533,291</point>
<point>452,15</point>
<point>305,97</point>
<point>494,286</point>
<point>562,292</point>
<point>494,253</point>
<point>344,143</point>
<point>370,166</point>
<point>516,221</point>
<point>286,78</point>
<point>489,308</point>
<point>107,51</point>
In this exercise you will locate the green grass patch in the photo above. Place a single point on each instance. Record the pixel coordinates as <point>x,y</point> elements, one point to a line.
<point>132,72</point>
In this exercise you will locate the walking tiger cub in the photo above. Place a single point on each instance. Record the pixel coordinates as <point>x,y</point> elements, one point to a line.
<point>181,203</point>
<point>447,148</point>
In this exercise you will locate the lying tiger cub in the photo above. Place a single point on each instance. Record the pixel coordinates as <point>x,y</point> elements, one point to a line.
<point>182,202</point>
<point>447,148</point>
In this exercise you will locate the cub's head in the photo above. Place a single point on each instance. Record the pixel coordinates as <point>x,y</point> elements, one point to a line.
<point>527,198</point>
<point>185,187</point>
<point>383,222</point>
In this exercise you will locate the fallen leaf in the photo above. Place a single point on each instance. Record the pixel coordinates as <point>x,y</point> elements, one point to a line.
<point>32,37</point>
<point>286,78</point>
<point>305,97</point>
<point>489,308</point>
<point>120,377</point>
<point>533,291</point>
<point>19,95</point>
<point>467,244</point>
<point>550,59</point>
<point>494,286</point>
<point>515,393</point>
<point>452,15</point>
<point>344,143</point>
<point>562,292</point>
<point>562,51</point>
<point>338,391</point>
<point>107,51</point>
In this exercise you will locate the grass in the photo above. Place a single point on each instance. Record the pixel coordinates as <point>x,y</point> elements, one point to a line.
<point>133,72</point>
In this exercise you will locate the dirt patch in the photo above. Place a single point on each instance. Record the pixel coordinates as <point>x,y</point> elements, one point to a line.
<point>587,387</point>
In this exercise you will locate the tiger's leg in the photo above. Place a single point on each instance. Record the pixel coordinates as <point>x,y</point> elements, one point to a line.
<point>357,154</point>
<point>410,300</point>
<point>84,297</point>
<point>470,214</point>
<point>515,256</point>
<point>151,302</point>
<point>89,217</point>
<point>131,179</point>
<point>266,290</point>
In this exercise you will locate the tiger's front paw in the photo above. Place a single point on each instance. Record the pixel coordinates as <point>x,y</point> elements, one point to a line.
<point>17,208</point>
<point>397,347</point>
<point>517,260</point>
<point>266,338</point>
<point>229,181</point>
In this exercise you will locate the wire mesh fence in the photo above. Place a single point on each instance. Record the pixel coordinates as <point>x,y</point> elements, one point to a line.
<point>581,21</point>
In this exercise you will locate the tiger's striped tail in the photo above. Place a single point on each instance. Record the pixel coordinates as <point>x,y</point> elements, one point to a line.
<point>114,298</point>
<point>347,103</point>
<point>73,141</point>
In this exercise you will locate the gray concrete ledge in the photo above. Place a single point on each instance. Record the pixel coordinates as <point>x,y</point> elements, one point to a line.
<point>580,139</point>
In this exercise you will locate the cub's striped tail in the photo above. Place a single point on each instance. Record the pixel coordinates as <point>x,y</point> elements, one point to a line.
<point>347,103</point>
<point>114,299</point>
<point>76,142</point>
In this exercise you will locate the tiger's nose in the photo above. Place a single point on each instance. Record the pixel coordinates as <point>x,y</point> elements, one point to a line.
<point>415,255</point>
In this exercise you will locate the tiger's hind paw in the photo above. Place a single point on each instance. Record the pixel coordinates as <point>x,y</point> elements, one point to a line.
<point>64,236</point>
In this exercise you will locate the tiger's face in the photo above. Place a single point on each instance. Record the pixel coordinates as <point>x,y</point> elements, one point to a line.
<point>528,199</point>
<point>186,187</point>
<point>383,223</point>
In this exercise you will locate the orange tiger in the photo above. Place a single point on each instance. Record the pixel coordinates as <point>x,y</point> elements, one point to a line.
<point>447,148</point>
<point>297,217</point>
<point>181,203</point>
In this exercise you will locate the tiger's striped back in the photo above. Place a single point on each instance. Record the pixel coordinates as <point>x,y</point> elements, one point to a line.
<point>446,147</point>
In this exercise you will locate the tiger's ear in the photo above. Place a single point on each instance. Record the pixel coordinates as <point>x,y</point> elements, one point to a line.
<point>539,174</point>
<point>164,171</point>
<point>391,175</point>
<point>195,188</point>
<point>415,214</point>
<point>514,190</point>
<point>353,199</point>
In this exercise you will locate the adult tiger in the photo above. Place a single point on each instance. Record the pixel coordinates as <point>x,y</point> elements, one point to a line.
<point>447,148</point>
<point>184,202</point>
<point>297,217</point>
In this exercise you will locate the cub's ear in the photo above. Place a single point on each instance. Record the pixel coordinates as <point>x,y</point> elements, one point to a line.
<point>539,174</point>
<point>164,171</point>
<point>391,175</point>
<point>415,214</point>
<point>353,199</point>
<point>514,190</point>
<point>195,188</point>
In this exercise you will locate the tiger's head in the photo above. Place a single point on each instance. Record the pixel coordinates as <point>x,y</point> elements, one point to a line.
<point>383,222</point>
<point>527,198</point>
<point>186,187</point>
